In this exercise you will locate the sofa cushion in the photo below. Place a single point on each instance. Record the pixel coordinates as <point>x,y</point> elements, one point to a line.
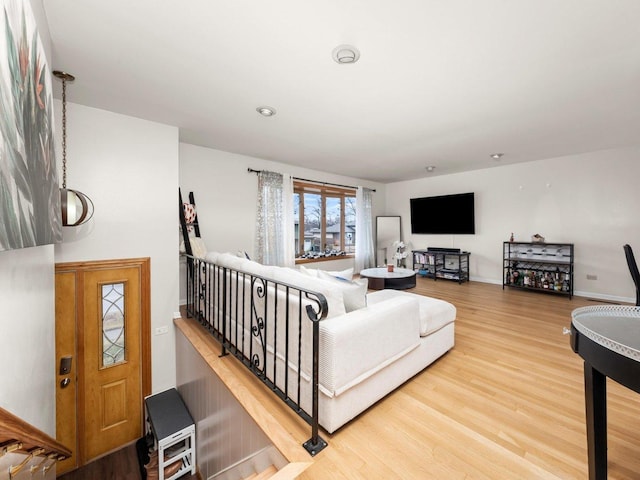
<point>361,343</point>
<point>346,274</point>
<point>212,257</point>
<point>235,262</point>
<point>332,294</point>
<point>353,293</point>
<point>434,313</point>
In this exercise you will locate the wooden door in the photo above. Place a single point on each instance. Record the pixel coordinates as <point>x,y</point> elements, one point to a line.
<point>106,305</point>
<point>66,384</point>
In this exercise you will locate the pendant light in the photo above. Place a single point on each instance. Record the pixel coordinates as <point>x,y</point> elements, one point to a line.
<point>77,208</point>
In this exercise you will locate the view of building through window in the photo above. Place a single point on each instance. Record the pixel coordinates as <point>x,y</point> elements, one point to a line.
<point>325,220</point>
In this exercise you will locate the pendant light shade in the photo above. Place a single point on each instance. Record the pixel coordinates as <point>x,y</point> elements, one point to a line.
<point>77,208</point>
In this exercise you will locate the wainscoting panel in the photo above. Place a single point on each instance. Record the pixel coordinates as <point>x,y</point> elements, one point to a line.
<point>225,434</point>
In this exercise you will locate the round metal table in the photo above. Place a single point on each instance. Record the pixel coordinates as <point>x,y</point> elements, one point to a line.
<point>608,339</point>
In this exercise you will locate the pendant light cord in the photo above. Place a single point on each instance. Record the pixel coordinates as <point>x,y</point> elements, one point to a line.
<point>64,133</point>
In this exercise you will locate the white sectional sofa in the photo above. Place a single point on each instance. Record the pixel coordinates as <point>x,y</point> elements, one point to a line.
<point>368,346</point>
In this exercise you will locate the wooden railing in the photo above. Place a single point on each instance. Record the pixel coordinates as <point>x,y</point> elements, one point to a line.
<point>18,436</point>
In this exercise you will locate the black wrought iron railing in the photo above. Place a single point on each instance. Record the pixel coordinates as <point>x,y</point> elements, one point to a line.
<point>271,327</point>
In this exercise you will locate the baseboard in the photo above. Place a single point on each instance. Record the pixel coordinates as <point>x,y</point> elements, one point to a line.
<point>485,280</point>
<point>591,295</point>
<point>605,298</point>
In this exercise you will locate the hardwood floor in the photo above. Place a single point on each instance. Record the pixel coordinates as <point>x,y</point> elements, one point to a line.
<point>507,402</point>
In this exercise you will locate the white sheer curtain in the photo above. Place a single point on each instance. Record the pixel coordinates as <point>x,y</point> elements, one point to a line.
<point>274,220</point>
<point>289,241</point>
<point>365,250</point>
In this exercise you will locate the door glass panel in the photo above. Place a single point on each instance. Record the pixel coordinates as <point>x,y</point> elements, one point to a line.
<point>113,324</point>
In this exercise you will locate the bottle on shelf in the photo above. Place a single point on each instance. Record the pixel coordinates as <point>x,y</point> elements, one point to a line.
<point>545,282</point>
<point>557,284</point>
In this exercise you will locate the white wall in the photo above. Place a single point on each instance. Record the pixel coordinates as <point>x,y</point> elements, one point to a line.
<point>27,324</point>
<point>590,200</point>
<point>27,333</point>
<point>226,196</point>
<point>129,168</point>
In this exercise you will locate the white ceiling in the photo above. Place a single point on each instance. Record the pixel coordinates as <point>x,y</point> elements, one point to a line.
<point>439,82</point>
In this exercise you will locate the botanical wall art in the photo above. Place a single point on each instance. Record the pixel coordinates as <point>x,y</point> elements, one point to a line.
<point>29,196</point>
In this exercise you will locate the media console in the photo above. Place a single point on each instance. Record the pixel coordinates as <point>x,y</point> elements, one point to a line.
<point>445,263</point>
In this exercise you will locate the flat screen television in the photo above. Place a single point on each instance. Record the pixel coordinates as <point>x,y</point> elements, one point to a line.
<point>444,214</point>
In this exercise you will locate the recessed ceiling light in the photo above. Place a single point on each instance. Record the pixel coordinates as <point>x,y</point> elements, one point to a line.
<point>497,156</point>
<point>430,168</point>
<point>266,111</point>
<point>345,54</point>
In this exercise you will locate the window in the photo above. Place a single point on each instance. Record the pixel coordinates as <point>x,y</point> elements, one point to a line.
<point>113,324</point>
<point>325,220</point>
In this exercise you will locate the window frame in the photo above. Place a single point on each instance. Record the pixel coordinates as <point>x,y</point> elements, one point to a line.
<point>325,191</point>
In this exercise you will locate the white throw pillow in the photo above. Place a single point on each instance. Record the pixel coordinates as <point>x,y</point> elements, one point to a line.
<point>341,274</point>
<point>312,272</point>
<point>333,295</point>
<point>354,293</point>
<point>243,254</point>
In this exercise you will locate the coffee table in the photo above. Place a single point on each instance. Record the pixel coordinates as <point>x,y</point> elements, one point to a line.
<point>380,278</point>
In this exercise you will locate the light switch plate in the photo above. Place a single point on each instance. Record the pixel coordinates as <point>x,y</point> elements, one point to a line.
<point>162,330</point>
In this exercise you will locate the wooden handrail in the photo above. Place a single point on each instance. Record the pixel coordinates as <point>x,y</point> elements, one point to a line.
<point>22,437</point>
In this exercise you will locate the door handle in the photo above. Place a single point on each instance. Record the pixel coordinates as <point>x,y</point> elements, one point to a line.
<point>64,383</point>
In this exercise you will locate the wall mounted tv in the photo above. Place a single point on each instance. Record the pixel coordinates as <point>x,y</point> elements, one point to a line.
<point>446,214</point>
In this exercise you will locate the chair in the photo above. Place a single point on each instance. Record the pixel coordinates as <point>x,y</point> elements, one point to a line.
<point>633,269</point>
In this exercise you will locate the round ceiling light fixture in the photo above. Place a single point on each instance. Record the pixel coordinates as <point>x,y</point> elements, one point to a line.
<point>430,168</point>
<point>345,54</point>
<point>266,111</point>
<point>497,156</point>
